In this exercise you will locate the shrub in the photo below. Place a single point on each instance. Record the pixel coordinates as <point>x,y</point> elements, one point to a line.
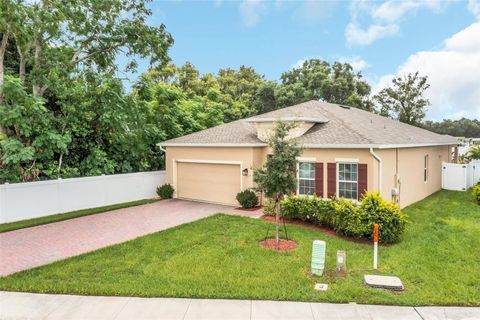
<point>313,209</point>
<point>269,207</point>
<point>473,153</point>
<point>391,221</point>
<point>300,207</point>
<point>165,191</point>
<point>247,199</point>
<point>476,192</point>
<point>348,218</point>
<point>326,212</point>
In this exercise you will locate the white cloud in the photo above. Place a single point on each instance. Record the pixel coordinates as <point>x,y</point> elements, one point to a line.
<point>474,7</point>
<point>384,18</point>
<point>357,63</point>
<point>453,74</point>
<point>250,11</point>
<point>355,35</point>
<point>393,10</point>
<point>312,11</point>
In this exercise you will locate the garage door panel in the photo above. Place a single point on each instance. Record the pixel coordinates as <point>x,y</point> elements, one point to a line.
<point>217,183</point>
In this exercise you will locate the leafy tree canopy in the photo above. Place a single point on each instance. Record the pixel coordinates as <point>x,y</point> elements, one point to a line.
<point>404,100</point>
<point>458,128</point>
<point>318,80</point>
<point>63,110</point>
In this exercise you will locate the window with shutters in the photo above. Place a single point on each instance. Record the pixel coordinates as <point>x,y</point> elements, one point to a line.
<point>306,178</point>
<point>348,180</point>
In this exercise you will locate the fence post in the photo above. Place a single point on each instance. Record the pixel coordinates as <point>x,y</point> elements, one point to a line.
<point>103,184</point>
<point>59,197</point>
<point>3,199</point>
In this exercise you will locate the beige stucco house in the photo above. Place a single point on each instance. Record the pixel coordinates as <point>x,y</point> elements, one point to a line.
<point>346,151</point>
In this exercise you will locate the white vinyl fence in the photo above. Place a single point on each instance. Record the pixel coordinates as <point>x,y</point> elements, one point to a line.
<point>460,177</point>
<point>19,201</point>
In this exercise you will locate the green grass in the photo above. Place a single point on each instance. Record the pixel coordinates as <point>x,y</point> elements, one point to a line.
<point>4,227</point>
<point>219,257</point>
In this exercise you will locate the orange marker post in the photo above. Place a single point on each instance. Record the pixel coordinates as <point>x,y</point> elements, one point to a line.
<point>375,246</point>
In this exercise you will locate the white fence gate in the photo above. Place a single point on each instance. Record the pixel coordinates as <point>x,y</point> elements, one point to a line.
<point>19,201</point>
<point>460,177</point>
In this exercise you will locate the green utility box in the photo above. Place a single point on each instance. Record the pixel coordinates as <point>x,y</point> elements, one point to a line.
<point>318,257</point>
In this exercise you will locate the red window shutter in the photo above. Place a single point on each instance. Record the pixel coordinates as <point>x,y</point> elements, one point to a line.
<point>331,179</point>
<point>319,179</point>
<point>362,179</point>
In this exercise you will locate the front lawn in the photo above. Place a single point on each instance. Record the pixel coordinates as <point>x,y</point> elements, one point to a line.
<point>219,257</point>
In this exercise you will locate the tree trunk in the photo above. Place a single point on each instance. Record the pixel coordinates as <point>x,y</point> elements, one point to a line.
<point>21,68</point>
<point>3,48</point>
<point>277,221</point>
<point>60,160</point>
<point>36,88</point>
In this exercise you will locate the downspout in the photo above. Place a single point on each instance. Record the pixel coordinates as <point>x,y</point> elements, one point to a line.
<point>379,169</point>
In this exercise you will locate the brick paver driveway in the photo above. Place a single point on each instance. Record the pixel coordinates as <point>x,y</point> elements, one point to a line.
<point>31,247</point>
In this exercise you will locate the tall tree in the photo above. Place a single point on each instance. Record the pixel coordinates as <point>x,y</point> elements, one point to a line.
<point>278,176</point>
<point>318,80</point>
<point>404,100</point>
<point>239,91</point>
<point>265,99</point>
<point>66,112</point>
<point>59,37</point>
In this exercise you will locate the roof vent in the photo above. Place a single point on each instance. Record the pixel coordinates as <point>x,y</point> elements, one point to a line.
<point>344,107</point>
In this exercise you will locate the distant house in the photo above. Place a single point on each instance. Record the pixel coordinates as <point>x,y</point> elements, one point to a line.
<point>347,151</point>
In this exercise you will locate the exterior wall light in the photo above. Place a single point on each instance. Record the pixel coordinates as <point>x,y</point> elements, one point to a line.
<point>244,172</point>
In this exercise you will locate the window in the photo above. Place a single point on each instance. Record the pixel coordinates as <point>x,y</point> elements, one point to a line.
<point>425,169</point>
<point>348,180</point>
<point>306,178</point>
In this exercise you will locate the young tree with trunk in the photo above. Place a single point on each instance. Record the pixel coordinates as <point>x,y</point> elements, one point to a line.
<point>278,176</point>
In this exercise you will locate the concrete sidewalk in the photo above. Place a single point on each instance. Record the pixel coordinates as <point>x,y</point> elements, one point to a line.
<point>15,305</point>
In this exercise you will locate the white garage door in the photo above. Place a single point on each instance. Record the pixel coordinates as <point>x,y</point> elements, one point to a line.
<point>210,182</point>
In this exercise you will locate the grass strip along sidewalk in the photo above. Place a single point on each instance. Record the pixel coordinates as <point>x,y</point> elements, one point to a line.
<point>10,226</point>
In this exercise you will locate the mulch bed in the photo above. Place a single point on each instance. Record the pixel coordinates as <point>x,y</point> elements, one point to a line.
<point>283,245</point>
<point>323,230</point>
<point>249,209</point>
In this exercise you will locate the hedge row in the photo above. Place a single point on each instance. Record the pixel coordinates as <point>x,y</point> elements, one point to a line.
<point>349,218</point>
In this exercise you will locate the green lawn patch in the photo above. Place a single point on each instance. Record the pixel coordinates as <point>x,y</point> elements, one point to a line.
<point>4,227</point>
<point>219,257</point>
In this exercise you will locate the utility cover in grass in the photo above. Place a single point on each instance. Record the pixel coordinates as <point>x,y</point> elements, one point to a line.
<point>384,282</point>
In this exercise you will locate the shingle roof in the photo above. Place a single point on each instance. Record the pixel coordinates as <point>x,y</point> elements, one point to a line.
<point>337,126</point>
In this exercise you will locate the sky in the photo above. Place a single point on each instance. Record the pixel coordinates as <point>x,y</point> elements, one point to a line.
<point>438,38</point>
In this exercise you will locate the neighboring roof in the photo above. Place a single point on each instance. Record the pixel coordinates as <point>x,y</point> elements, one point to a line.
<point>336,127</point>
